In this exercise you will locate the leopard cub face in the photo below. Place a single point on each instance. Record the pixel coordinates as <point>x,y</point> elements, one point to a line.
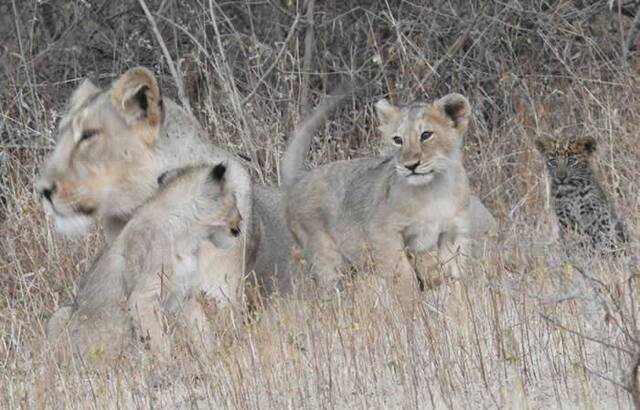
<point>580,204</point>
<point>567,161</point>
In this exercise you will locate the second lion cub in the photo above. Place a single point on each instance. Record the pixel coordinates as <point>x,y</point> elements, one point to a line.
<point>416,199</point>
<point>158,265</point>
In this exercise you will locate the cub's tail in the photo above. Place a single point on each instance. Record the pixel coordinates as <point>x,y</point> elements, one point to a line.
<point>292,166</point>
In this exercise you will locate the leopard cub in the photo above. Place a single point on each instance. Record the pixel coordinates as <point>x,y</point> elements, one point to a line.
<point>581,206</point>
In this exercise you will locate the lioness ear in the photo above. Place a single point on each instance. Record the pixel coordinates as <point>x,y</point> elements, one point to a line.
<point>81,94</point>
<point>386,112</point>
<point>137,95</point>
<point>456,107</point>
<point>588,145</point>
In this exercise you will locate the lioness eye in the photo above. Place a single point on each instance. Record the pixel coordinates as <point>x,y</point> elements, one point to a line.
<point>397,140</point>
<point>86,134</point>
<point>425,136</point>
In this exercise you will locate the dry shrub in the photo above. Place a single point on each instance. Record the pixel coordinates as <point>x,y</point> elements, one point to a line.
<point>524,328</point>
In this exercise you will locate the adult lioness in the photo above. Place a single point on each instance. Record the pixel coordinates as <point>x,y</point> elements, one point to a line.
<point>417,199</point>
<point>112,146</point>
<point>155,266</point>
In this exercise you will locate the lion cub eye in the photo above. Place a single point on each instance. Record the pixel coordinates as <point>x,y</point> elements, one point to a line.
<point>425,136</point>
<point>86,134</point>
<point>397,140</point>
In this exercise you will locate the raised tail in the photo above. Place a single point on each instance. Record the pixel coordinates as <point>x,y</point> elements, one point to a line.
<point>292,164</point>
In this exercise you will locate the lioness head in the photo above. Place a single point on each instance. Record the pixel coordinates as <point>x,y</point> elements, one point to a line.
<point>566,159</point>
<point>202,197</point>
<point>104,152</point>
<point>425,137</point>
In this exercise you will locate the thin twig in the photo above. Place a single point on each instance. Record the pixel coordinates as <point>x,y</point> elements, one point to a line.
<point>308,55</point>
<point>292,30</point>
<point>607,378</point>
<point>225,71</point>
<point>592,339</point>
<point>177,77</point>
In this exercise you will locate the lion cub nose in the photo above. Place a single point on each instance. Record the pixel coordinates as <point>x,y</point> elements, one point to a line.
<point>412,166</point>
<point>234,223</point>
<point>47,191</point>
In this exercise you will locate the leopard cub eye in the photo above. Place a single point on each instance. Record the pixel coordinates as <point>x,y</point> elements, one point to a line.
<point>86,134</point>
<point>426,136</point>
<point>397,140</point>
<point>551,161</point>
<point>572,160</point>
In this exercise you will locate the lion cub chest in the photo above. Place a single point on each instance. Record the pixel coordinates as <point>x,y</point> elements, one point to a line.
<point>421,219</point>
<point>435,217</point>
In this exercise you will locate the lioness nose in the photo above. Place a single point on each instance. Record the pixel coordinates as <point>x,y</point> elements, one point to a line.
<point>412,166</point>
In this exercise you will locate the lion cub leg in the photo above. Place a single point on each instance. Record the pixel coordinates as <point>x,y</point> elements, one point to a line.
<point>394,265</point>
<point>146,311</point>
<point>59,321</point>
<point>427,266</point>
<point>453,249</point>
<point>221,272</point>
<point>325,261</point>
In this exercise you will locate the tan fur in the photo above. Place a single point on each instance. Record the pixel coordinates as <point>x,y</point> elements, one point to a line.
<point>342,211</point>
<point>110,173</point>
<point>139,136</point>
<point>154,269</point>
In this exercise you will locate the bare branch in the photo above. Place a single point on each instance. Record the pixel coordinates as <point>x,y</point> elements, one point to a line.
<point>308,55</point>
<point>177,77</point>
<point>592,339</point>
<point>292,30</point>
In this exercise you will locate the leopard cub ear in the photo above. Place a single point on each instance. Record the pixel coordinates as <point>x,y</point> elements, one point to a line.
<point>542,144</point>
<point>587,145</point>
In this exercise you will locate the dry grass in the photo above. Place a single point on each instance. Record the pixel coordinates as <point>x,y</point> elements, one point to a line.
<point>524,328</point>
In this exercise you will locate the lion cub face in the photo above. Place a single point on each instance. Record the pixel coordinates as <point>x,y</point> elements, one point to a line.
<point>104,151</point>
<point>425,137</point>
<point>567,159</point>
<point>203,198</point>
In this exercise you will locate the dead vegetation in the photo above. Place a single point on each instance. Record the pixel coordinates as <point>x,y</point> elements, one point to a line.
<point>526,328</point>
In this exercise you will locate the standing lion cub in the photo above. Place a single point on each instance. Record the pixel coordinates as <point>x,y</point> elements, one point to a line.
<point>154,268</point>
<point>416,199</point>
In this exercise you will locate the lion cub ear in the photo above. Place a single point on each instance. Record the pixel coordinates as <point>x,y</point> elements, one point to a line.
<point>456,107</point>
<point>386,112</point>
<point>137,96</point>
<point>84,92</point>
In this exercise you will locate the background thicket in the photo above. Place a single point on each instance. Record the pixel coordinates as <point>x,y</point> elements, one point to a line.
<point>526,327</point>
